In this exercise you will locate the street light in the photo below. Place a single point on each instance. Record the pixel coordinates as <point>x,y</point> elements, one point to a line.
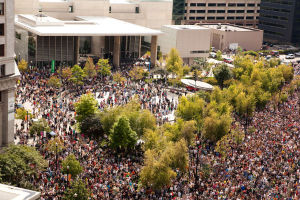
<point>56,153</point>
<point>68,175</point>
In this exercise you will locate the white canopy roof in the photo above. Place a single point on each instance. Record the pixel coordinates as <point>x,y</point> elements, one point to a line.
<point>83,26</point>
<point>199,84</point>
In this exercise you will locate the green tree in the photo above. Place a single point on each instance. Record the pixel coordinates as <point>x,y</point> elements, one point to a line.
<point>77,191</point>
<point>66,73</point>
<point>188,131</point>
<point>92,126</point>
<point>137,73</point>
<point>222,73</point>
<point>71,165</point>
<point>85,107</point>
<point>103,67</point>
<point>77,75</point>
<point>55,145</point>
<point>219,55</point>
<point>122,136</point>
<point>22,113</point>
<point>22,65</point>
<point>154,173</point>
<point>117,77</point>
<point>144,120</point>
<point>39,126</point>
<point>18,164</point>
<point>287,71</point>
<point>174,62</point>
<point>89,68</point>
<point>54,81</point>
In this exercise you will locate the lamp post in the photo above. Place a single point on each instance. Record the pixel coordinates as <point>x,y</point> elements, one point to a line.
<point>68,175</point>
<point>56,154</point>
<point>196,176</point>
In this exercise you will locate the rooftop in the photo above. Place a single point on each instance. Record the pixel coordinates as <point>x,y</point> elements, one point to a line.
<point>227,27</point>
<point>81,26</point>
<point>14,193</point>
<point>183,27</point>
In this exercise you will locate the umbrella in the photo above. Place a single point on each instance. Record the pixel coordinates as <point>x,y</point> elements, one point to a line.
<point>140,142</point>
<point>52,133</point>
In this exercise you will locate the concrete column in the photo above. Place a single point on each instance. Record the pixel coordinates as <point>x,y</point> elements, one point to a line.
<point>8,116</point>
<point>116,53</point>
<point>76,49</point>
<point>153,50</point>
<point>140,45</point>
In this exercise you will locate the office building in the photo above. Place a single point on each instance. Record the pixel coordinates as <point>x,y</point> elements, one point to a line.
<point>191,41</point>
<point>280,21</point>
<point>239,12</point>
<point>8,72</point>
<point>227,36</point>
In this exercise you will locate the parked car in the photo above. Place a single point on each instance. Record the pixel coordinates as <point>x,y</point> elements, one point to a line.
<point>290,56</point>
<point>268,57</point>
<point>297,54</point>
<point>228,60</point>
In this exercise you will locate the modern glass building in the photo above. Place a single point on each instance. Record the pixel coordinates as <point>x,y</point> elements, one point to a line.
<point>280,20</point>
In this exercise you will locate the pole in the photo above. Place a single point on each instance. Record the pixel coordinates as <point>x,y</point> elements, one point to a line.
<point>56,155</point>
<point>27,121</point>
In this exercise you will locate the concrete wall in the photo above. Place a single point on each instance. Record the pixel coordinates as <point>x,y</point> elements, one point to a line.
<point>167,41</point>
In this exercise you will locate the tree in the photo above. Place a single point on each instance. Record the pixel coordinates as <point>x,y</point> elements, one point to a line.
<point>287,71</point>
<point>22,113</point>
<point>66,73</point>
<point>54,81</point>
<point>122,136</point>
<point>191,108</point>
<point>71,165</point>
<point>55,145</point>
<point>77,75</point>
<point>174,62</point>
<point>18,164</point>
<point>89,68</point>
<point>39,126</point>
<point>222,73</point>
<point>219,55</point>
<point>22,65</point>
<point>117,77</point>
<point>188,131</point>
<point>92,126</point>
<point>77,191</point>
<point>137,73</point>
<point>154,173</point>
<point>145,120</point>
<point>103,67</point>
<point>85,107</point>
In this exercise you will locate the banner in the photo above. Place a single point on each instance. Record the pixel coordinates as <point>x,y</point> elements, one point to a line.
<point>52,66</point>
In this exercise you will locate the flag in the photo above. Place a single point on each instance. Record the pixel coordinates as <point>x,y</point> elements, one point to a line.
<point>52,66</point>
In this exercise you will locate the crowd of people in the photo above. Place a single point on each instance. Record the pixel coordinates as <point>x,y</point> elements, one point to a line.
<point>265,166</point>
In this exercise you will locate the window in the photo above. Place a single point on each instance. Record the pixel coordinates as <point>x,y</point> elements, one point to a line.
<point>231,5</point>
<point>240,11</point>
<point>200,18</point>
<point>192,11</point>
<point>211,11</point>
<point>1,29</point>
<point>2,70</point>
<point>70,9</point>
<point>221,4</point>
<point>200,11</point>
<point>251,4</point>
<point>220,11</point>
<point>199,51</point>
<point>241,5</point>
<point>2,8</point>
<point>250,17</point>
<point>2,50</point>
<point>212,4</point>
<point>250,11</point>
<point>137,9</point>
<point>230,18</point>
<point>201,4</point>
<point>220,18</point>
<point>192,18</point>
<point>211,18</point>
<point>185,4</point>
<point>231,11</point>
<point>193,4</point>
<point>109,9</point>
<point>240,17</point>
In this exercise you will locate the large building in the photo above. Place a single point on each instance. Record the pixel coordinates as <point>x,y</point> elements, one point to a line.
<point>280,21</point>
<point>97,27</point>
<point>239,12</point>
<point>227,36</point>
<point>191,41</point>
<point>8,72</point>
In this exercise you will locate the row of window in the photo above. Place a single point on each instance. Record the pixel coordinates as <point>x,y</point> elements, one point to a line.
<point>286,2</point>
<point>2,8</point>
<point>272,24</point>
<point>200,51</point>
<point>222,11</point>
<point>275,17</point>
<point>223,18</point>
<point>275,9</point>
<point>223,4</point>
